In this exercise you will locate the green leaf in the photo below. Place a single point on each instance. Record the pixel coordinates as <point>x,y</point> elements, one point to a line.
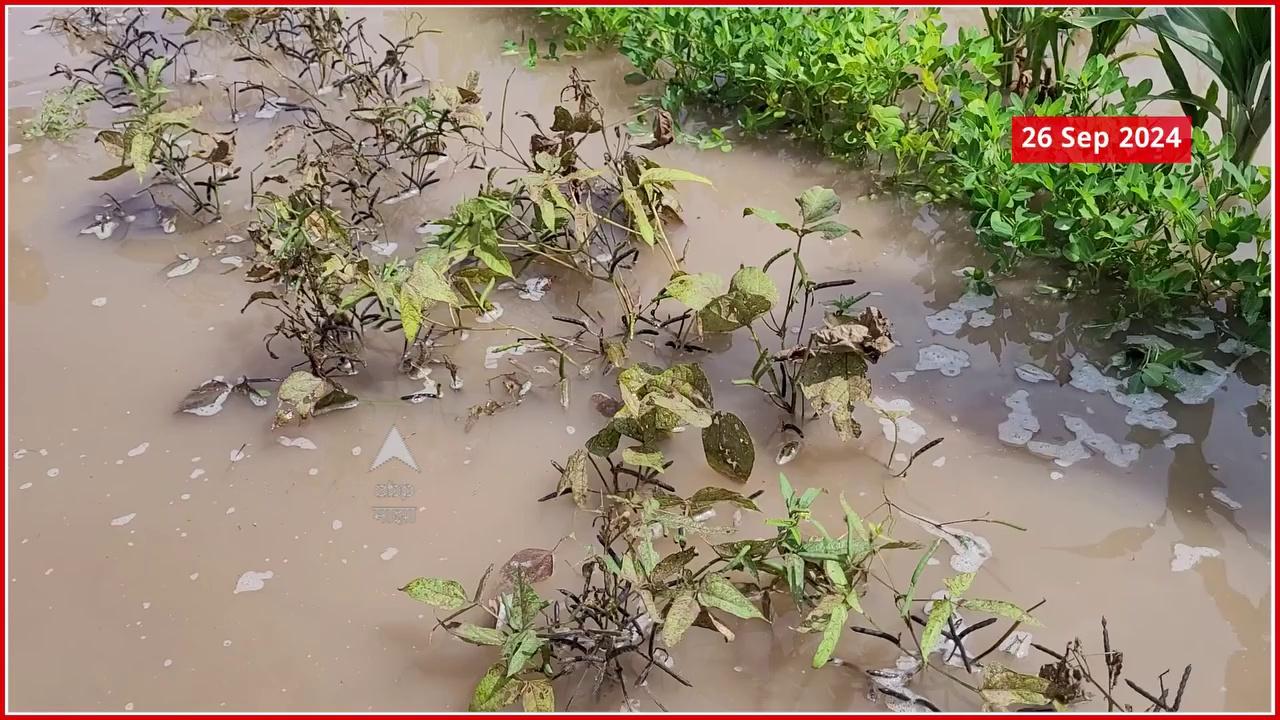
<point>113,173</point>
<point>669,175</point>
<point>751,294</point>
<point>959,584</point>
<point>180,116</point>
<point>642,225</point>
<point>727,445</point>
<point>494,691</point>
<point>682,407</point>
<point>831,634</point>
<point>477,635</point>
<point>939,614</point>
<point>915,577</point>
<point>717,592</point>
<point>538,696</point>
<point>696,289</point>
<point>437,592</point>
<point>1002,608</point>
<point>672,564</point>
<point>831,229</point>
<point>835,573</point>
<point>524,644</point>
<point>817,204</point>
<point>708,496</point>
<point>754,282</point>
<point>643,457</point>
<point>574,478</point>
<point>681,613</point>
<point>605,441</point>
<point>772,216</point>
<point>426,284</point>
<point>494,259</point>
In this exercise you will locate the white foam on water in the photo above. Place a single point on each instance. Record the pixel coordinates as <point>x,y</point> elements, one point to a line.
<point>389,553</point>
<point>1194,328</point>
<point>1176,439</point>
<point>123,520</point>
<point>1196,388</point>
<point>943,359</point>
<point>298,442</point>
<point>491,315</point>
<point>1063,455</point>
<point>1117,453</point>
<point>1021,425</point>
<point>1221,496</point>
<point>494,353</point>
<point>981,319</point>
<point>1144,407</point>
<point>252,581</point>
<point>946,321</point>
<point>1041,336</point>
<point>135,452</point>
<point>1186,557</point>
<point>534,288</point>
<point>1033,374</point>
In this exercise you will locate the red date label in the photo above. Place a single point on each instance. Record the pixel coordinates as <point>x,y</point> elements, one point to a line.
<point>1136,139</point>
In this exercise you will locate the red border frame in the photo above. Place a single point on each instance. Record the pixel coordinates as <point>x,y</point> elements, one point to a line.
<point>4,344</point>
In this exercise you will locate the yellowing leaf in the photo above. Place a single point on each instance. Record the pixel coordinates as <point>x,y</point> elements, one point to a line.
<point>717,592</point>
<point>140,152</point>
<point>437,592</point>
<point>426,283</point>
<point>538,696</point>
<point>831,635</point>
<point>494,691</point>
<point>682,612</point>
<point>669,175</point>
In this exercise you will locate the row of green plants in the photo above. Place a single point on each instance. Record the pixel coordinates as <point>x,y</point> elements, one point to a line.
<point>369,134</point>
<point>931,116</point>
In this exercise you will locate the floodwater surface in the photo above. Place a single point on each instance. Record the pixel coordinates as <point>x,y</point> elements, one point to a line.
<point>160,561</point>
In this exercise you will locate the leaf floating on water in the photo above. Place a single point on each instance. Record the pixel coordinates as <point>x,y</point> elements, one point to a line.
<point>207,399</point>
<point>186,267</point>
<point>532,565</point>
<point>728,447</point>
<point>303,395</point>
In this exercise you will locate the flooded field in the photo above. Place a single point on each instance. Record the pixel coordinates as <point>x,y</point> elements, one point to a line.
<point>161,561</point>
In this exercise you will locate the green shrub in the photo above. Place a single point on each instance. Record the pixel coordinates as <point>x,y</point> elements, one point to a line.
<point>869,85</point>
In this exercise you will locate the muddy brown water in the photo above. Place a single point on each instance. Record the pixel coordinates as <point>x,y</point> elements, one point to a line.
<point>144,614</point>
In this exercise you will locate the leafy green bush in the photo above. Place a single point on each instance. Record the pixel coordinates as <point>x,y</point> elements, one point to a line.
<point>934,116</point>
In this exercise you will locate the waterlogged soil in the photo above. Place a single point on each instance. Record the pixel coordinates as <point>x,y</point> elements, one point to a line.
<point>169,562</point>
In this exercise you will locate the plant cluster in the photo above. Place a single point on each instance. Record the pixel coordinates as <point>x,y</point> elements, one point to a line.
<point>661,569</point>
<point>866,84</point>
<point>318,240</point>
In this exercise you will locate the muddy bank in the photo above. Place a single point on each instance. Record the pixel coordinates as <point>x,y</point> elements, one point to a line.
<point>139,538</point>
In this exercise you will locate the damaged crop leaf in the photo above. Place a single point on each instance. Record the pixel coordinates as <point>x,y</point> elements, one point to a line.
<point>727,445</point>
